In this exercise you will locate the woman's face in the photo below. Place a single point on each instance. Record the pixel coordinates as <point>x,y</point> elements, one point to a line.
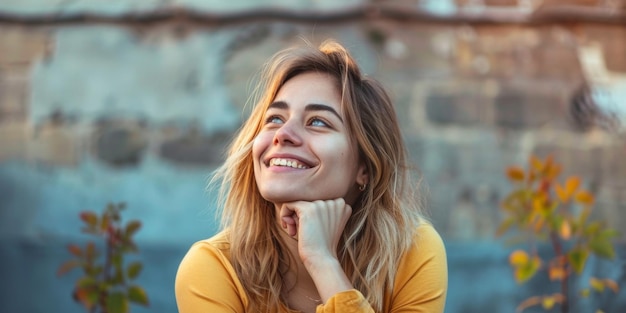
<point>303,151</point>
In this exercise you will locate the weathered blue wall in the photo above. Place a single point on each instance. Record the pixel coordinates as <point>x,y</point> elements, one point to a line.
<point>102,113</point>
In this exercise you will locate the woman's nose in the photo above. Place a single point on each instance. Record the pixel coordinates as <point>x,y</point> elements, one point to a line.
<point>288,134</point>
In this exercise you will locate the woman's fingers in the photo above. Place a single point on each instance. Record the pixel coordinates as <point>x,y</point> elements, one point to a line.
<point>317,225</point>
<point>290,225</point>
<point>289,219</point>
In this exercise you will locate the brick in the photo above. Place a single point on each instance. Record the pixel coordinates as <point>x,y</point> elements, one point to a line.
<point>461,108</point>
<point>23,45</point>
<point>195,148</point>
<point>612,164</point>
<point>120,143</point>
<point>500,2</point>
<point>13,139</point>
<point>55,144</point>
<point>14,90</point>
<point>557,61</point>
<point>530,107</point>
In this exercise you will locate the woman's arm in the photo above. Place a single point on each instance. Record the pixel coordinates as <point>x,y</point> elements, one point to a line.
<point>318,226</point>
<point>422,277</point>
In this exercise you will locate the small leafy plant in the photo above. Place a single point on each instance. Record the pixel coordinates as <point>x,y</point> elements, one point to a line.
<point>543,210</point>
<point>106,285</point>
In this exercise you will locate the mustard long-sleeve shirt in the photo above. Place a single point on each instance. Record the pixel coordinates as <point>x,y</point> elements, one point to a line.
<point>206,282</point>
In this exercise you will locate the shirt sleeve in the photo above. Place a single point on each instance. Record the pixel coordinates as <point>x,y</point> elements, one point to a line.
<point>420,285</point>
<point>422,279</point>
<point>350,301</point>
<point>206,282</point>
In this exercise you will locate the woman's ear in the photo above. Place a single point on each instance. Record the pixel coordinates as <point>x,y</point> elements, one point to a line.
<point>362,175</point>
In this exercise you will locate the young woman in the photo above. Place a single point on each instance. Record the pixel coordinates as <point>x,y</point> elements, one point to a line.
<point>319,214</point>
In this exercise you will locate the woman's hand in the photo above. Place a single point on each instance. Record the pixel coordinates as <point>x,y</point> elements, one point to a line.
<point>317,225</point>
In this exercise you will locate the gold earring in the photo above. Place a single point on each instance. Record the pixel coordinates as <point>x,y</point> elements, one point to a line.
<point>362,187</point>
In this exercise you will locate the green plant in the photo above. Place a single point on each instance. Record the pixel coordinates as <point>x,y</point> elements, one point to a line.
<point>106,285</point>
<point>540,209</point>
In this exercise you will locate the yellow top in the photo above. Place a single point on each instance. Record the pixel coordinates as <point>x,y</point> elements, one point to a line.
<point>206,282</point>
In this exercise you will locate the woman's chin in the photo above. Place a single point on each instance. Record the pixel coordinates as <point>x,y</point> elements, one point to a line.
<point>284,197</point>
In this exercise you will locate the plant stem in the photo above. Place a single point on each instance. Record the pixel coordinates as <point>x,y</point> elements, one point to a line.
<point>107,268</point>
<point>558,251</point>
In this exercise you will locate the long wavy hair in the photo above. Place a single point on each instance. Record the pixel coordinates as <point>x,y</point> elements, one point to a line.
<point>385,216</point>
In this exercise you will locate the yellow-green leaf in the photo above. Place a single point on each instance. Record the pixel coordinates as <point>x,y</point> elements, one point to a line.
<point>596,284</point>
<point>536,163</point>
<point>515,174</point>
<point>584,197</point>
<point>547,303</point>
<point>117,303</point>
<point>592,228</point>
<point>134,269</point>
<point>105,222</point>
<point>539,202</point>
<point>518,258</point>
<point>137,295</point>
<point>577,258</point>
<point>86,281</point>
<point>602,247</point>
<point>571,185</point>
<point>585,293</point>
<point>527,271</point>
<point>132,227</point>
<point>609,233</point>
<point>88,297</point>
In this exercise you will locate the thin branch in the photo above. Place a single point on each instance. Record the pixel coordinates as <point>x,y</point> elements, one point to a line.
<point>370,12</point>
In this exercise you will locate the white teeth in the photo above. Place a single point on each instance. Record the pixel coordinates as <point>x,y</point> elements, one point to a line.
<point>288,163</point>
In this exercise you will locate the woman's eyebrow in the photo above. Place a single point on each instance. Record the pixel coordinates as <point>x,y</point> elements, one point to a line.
<point>278,105</point>
<point>322,107</point>
<point>309,107</point>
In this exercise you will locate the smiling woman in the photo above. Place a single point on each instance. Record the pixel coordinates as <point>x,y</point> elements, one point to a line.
<point>303,126</point>
<point>319,214</point>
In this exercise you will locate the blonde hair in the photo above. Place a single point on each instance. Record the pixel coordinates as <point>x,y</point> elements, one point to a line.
<point>385,216</point>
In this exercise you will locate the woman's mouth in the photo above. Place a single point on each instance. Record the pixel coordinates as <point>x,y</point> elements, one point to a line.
<point>287,163</point>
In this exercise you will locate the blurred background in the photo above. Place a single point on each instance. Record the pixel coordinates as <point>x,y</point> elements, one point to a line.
<point>134,101</point>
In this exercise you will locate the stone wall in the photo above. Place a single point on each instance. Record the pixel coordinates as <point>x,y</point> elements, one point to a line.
<point>102,113</point>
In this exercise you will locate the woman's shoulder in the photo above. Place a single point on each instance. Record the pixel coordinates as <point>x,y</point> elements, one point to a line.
<point>422,273</point>
<point>217,244</point>
<point>427,246</point>
<point>426,234</point>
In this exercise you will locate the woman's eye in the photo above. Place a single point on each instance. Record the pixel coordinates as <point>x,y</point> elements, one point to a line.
<point>318,122</point>
<point>274,119</point>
